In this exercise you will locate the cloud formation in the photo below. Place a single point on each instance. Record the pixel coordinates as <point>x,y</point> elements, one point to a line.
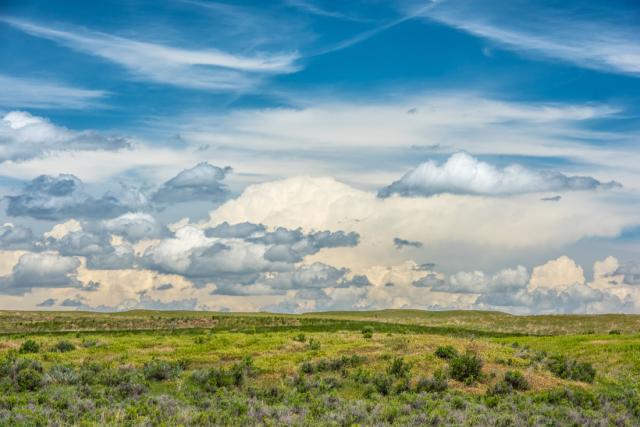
<point>210,69</point>
<point>63,197</point>
<point>464,174</point>
<point>24,136</point>
<point>203,182</point>
<point>40,270</point>
<point>591,36</point>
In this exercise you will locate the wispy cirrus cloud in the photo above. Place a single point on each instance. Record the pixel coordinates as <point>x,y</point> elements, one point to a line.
<point>587,35</point>
<point>21,92</point>
<point>211,69</point>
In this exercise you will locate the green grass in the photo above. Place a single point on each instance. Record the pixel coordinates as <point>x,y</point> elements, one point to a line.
<point>189,368</point>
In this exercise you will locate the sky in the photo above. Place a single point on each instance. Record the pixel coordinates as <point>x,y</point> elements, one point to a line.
<point>307,155</point>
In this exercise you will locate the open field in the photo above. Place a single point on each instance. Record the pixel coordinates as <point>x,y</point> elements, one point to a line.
<point>385,368</point>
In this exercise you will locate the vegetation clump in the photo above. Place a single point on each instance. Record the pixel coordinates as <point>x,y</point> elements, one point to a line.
<point>447,352</point>
<point>29,346</point>
<point>161,370</point>
<point>367,332</point>
<point>63,346</point>
<point>512,381</point>
<point>466,368</point>
<point>570,369</point>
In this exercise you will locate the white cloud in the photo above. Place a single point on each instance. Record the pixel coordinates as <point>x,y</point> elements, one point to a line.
<point>211,69</point>
<point>596,37</point>
<point>464,174</point>
<point>558,274</point>
<point>458,232</point>
<point>24,136</point>
<point>21,92</point>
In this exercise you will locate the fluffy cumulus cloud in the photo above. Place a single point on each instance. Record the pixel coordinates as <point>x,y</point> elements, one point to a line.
<point>132,226</point>
<point>24,136</point>
<point>203,182</point>
<point>16,237</point>
<point>41,270</point>
<point>464,174</point>
<point>63,196</point>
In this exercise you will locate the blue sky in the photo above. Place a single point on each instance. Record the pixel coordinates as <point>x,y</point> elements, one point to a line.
<point>499,138</point>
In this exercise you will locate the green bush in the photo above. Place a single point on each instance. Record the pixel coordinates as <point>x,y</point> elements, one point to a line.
<point>399,368</point>
<point>300,337</point>
<point>466,368</point>
<point>161,370</point>
<point>313,344</point>
<point>516,380</point>
<point>447,352</point>
<point>29,346</point>
<point>383,383</point>
<point>63,346</point>
<point>570,369</point>
<point>512,381</point>
<point>437,383</point>
<point>367,332</point>
<point>215,378</point>
<point>29,380</point>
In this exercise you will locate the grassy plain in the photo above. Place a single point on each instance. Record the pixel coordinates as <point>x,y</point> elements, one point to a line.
<point>341,368</point>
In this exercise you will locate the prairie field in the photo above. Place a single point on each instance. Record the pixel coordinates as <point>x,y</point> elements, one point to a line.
<point>396,367</point>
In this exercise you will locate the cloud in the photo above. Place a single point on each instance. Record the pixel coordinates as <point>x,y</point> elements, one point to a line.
<point>72,302</point>
<point>21,92</point>
<point>464,174</point>
<point>630,271</point>
<point>210,69</point>
<point>400,243</point>
<point>241,230</point>
<point>49,302</point>
<point>558,274</point>
<point>24,136</point>
<point>551,199</point>
<point>203,182</point>
<point>55,198</point>
<point>163,287</point>
<point>477,282</point>
<point>592,36</point>
<point>16,237</point>
<point>464,233</point>
<point>40,270</point>
<point>133,226</point>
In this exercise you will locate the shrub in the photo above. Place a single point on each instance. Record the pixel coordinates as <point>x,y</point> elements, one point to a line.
<point>367,332</point>
<point>28,380</point>
<point>63,346</point>
<point>161,370</point>
<point>466,368</point>
<point>569,369</point>
<point>236,375</point>
<point>314,344</point>
<point>382,383</point>
<point>61,374</point>
<point>615,332</point>
<point>399,368</point>
<point>306,367</point>
<point>516,380</point>
<point>512,381</point>
<point>446,352</point>
<point>435,384</point>
<point>300,337</point>
<point>29,346</point>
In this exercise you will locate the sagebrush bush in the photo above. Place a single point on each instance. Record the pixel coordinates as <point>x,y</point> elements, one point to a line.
<point>516,380</point>
<point>446,352</point>
<point>512,381</point>
<point>399,368</point>
<point>570,369</point>
<point>161,370</point>
<point>215,378</point>
<point>466,368</point>
<point>29,346</point>
<point>383,383</point>
<point>63,346</point>
<point>313,344</point>
<point>29,380</point>
<point>62,374</point>
<point>437,383</point>
<point>300,337</point>
<point>367,332</point>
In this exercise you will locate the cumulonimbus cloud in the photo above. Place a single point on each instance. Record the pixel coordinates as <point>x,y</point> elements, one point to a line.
<point>464,174</point>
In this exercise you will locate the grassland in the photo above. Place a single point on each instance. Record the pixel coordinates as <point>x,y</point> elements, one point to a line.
<point>395,367</point>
